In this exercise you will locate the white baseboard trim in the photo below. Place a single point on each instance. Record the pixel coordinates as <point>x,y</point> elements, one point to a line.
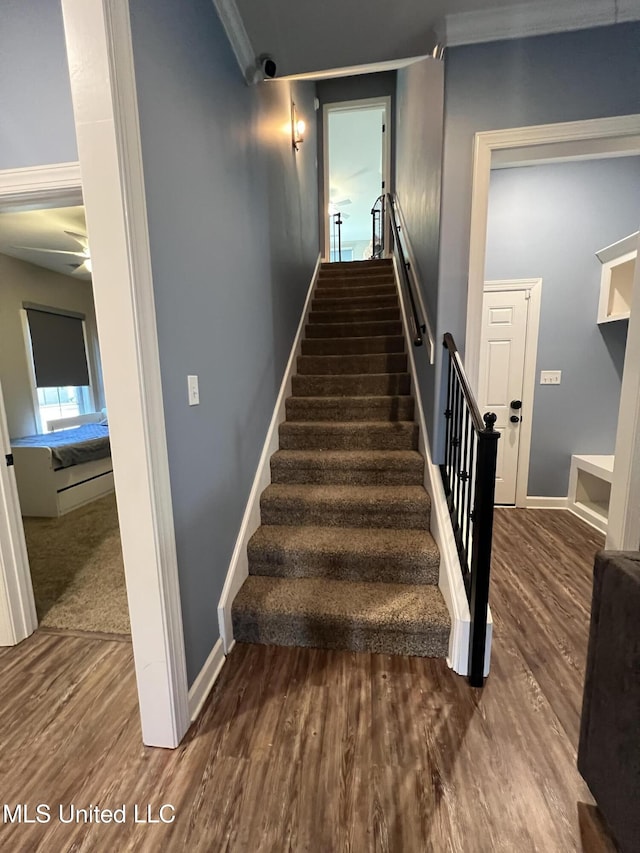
<point>534,502</point>
<point>239,566</point>
<point>205,680</point>
<point>590,518</point>
<point>450,582</point>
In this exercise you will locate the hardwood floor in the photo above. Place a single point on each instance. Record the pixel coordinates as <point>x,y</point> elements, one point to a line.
<point>307,750</point>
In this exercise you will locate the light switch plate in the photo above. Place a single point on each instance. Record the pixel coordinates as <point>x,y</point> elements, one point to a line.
<point>194,391</point>
<point>550,377</point>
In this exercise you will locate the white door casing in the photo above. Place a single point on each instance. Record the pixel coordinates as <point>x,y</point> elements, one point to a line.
<point>17,607</point>
<point>509,343</point>
<point>100,55</point>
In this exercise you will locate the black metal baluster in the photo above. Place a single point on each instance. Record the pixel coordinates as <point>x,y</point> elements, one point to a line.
<point>464,478</point>
<point>468,508</point>
<point>456,454</point>
<point>448,414</point>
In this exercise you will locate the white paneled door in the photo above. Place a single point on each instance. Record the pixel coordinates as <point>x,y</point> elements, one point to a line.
<point>500,387</point>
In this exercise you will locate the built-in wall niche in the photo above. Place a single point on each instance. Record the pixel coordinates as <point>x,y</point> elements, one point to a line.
<point>616,282</point>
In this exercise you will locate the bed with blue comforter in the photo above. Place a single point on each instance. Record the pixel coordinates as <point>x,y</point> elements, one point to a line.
<point>71,446</point>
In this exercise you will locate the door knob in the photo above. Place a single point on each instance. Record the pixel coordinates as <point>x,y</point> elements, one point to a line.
<point>516,404</point>
<point>514,419</point>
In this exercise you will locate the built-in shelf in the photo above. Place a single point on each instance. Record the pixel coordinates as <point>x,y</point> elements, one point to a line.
<point>590,489</point>
<point>616,282</point>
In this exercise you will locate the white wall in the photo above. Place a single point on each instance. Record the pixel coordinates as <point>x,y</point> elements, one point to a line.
<point>22,282</point>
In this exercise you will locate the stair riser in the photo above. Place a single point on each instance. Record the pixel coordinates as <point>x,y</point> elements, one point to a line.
<point>359,315</point>
<point>354,303</point>
<point>341,365</point>
<point>358,437</point>
<point>350,274</point>
<point>343,567</point>
<point>355,283</point>
<point>346,409</point>
<point>353,330</point>
<point>398,515</point>
<point>351,386</point>
<point>324,291</point>
<point>353,346</point>
<point>334,270</point>
<point>345,476</point>
<point>368,264</point>
<point>301,631</point>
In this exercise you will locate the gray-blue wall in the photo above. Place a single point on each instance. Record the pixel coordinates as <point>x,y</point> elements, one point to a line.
<point>36,115</point>
<point>419,112</point>
<point>564,77</point>
<point>547,222</point>
<point>233,229</point>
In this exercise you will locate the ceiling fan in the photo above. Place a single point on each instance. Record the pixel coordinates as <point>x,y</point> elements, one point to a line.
<point>81,268</point>
<point>336,206</point>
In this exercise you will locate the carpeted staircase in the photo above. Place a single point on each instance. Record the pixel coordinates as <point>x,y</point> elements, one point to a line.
<point>344,558</point>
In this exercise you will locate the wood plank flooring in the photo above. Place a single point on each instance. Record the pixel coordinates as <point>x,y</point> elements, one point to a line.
<point>308,750</point>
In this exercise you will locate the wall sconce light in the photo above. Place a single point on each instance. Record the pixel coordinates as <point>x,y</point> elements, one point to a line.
<point>297,128</point>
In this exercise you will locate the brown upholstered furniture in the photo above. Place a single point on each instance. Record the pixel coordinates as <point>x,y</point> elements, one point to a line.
<point>609,749</point>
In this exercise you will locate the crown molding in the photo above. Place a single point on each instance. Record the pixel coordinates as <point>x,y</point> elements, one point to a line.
<point>60,183</point>
<point>238,37</point>
<point>535,19</point>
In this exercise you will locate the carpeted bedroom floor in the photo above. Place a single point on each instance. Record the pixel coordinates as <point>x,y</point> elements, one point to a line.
<point>77,570</point>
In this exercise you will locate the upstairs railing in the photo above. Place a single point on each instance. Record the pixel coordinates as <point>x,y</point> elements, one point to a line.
<point>469,477</point>
<point>378,228</point>
<point>336,236</point>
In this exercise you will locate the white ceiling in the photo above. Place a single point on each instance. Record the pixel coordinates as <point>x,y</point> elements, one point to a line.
<point>44,229</point>
<point>304,36</point>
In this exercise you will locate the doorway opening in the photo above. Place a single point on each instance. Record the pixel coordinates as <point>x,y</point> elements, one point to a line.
<point>553,221</point>
<point>357,162</point>
<point>541,172</point>
<point>55,421</point>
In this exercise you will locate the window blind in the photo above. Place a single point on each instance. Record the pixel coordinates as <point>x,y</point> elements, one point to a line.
<point>57,343</point>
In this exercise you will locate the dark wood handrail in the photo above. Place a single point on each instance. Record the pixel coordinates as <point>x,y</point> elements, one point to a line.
<point>418,327</point>
<point>458,366</point>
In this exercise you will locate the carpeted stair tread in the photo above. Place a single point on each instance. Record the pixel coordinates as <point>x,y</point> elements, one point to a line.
<point>329,291</point>
<point>353,346</point>
<point>351,271</point>
<point>318,612</point>
<point>373,328</point>
<point>350,303</point>
<point>346,282</point>
<point>371,264</point>
<point>345,553</point>
<point>369,408</point>
<point>346,506</point>
<point>348,435</point>
<point>348,467</point>
<point>357,315</point>
<point>340,365</point>
<point>356,274</point>
<point>360,385</point>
